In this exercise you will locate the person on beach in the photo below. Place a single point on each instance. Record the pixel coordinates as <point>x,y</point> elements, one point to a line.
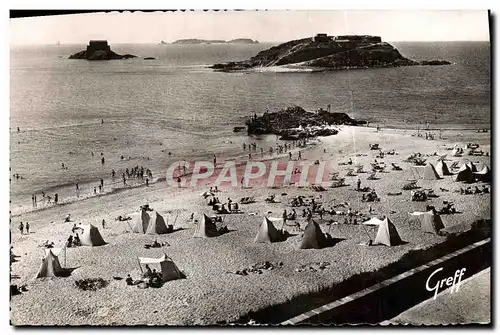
<point>21,228</point>
<point>67,218</point>
<point>56,198</point>
<point>103,223</point>
<point>77,240</point>
<point>358,185</point>
<point>102,160</point>
<point>147,273</point>
<point>62,166</point>
<point>179,182</point>
<point>215,161</point>
<point>113,173</point>
<point>27,228</point>
<point>100,188</point>
<point>300,155</point>
<point>147,181</point>
<point>243,182</point>
<point>129,280</point>
<point>102,182</point>
<point>95,192</point>
<point>249,156</point>
<point>74,227</point>
<point>69,242</point>
<point>102,121</point>
<point>285,216</point>
<point>33,200</point>
<point>124,180</point>
<point>18,130</point>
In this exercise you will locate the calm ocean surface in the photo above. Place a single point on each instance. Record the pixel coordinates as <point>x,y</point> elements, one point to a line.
<point>176,104</point>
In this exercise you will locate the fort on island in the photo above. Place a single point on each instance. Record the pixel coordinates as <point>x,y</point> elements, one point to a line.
<point>95,45</point>
<point>324,38</point>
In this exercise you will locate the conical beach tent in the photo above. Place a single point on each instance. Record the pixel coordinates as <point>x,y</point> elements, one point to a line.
<point>430,172</point>
<point>50,266</point>
<point>268,233</point>
<point>206,228</point>
<point>484,174</point>
<point>387,234</point>
<point>91,236</point>
<point>431,222</point>
<point>313,237</point>
<point>442,169</point>
<point>150,222</point>
<point>464,174</point>
<point>156,224</point>
<point>169,271</point>
<point>472,167</point>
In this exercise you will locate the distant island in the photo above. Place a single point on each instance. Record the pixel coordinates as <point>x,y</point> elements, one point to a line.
<point>323,52</point>
<point>201,41</point>
<point>99,50</point>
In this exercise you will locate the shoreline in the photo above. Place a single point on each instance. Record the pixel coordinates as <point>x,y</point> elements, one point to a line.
<point>235,157</point>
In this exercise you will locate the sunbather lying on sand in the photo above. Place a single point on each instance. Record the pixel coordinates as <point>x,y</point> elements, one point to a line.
<point>123,218</point>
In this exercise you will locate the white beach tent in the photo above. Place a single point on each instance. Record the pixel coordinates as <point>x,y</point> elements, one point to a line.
<point>169,271</point>
<point>50,266</point>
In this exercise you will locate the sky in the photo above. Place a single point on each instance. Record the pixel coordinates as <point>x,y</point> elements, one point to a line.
<point>264,26</point>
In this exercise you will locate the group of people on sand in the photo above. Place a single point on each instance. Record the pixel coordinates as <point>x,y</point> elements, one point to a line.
<point>476,190</point>
<point>279,149</point>
<point>149,278</point>
<point>23,226</point>
<point>46,199</point>
<point>73,241</point>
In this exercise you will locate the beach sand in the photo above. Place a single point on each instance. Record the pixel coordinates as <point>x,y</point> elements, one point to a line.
<point>209,293</point>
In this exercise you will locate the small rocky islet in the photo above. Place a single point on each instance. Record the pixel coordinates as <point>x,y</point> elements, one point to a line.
<point>323,52</point>
<point>99,50</point>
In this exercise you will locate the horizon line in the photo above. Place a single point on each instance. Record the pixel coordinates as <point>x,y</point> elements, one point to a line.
<point>260,42</point>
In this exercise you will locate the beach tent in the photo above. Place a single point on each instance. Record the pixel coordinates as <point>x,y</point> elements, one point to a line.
<point>464,174</point>
<point>50,266</point>
<point>484,174</point>
<point>207,194</point>
<point>387,234</point>
<point>268,233</point>
<point>313,237</point>
<point>430,172</point>
<point>430,222</point>
<point>373,222</point>
<point>442,169</point>
<point>206,228</point>
<point>91,236</point>
<point>169,271</point>
<point>472,167</point>
<point>150,222</point>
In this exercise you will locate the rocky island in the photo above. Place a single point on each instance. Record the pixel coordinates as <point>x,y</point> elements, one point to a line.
<point>201,41</point>
<point>99,50</point>
<point>294,123</point>
<point>324,52</point>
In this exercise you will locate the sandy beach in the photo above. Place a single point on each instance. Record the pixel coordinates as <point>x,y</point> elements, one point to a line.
<point>210,293</point>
